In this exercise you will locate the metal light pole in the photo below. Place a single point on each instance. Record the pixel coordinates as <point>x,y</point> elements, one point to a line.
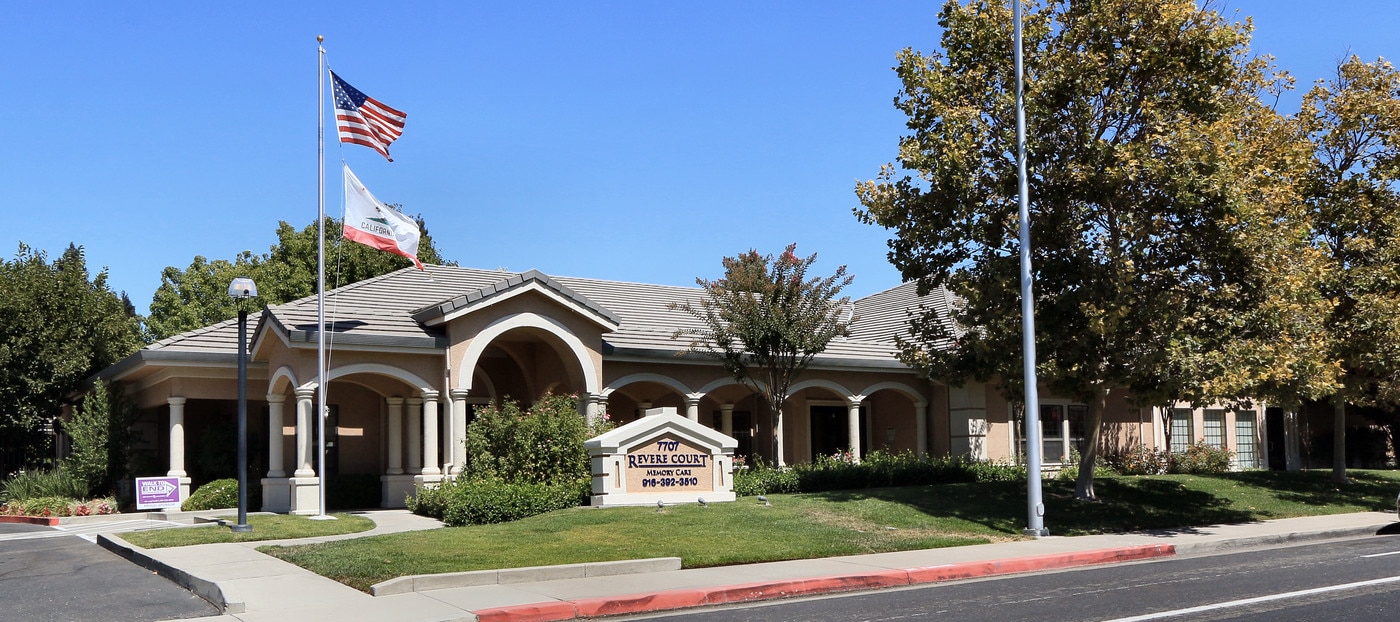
<point>1035,506</point>
<point>240,288</point>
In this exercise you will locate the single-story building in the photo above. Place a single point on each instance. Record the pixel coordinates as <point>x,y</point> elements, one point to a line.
<point>412,353</point>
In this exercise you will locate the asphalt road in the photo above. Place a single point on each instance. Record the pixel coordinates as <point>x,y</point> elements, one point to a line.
<point>1340,580</point>
<point>68,578</point>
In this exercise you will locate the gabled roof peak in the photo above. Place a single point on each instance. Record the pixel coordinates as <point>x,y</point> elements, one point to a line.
<point>511,286</point>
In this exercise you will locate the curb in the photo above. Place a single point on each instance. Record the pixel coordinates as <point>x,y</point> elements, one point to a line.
<point>30,520</point>
<point>769,590</point>
<point>1230,544</point>
<point>530,574</point>
<point>203,588</point>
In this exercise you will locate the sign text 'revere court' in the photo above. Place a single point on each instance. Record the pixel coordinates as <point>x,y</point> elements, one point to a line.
<point>666,455</point>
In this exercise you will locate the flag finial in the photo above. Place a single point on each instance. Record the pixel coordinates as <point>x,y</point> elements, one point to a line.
<point>320,38</point>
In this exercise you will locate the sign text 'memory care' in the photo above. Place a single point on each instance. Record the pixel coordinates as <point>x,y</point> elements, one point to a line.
<point>668,464</point>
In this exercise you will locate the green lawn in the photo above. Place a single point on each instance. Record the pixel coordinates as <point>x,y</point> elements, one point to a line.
<point>841,523</point>
<point>265,527</point>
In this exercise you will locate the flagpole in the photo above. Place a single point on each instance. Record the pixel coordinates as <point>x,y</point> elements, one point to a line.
<point>321,408</point>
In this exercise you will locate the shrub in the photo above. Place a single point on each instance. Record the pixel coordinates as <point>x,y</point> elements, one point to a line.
<point>1140,460</point>
<point>216,495</point>
<point>1201,458</point>
<point>59,506</point>
<point>541,445</point>
<point>40,506</point>
<point>879,468</point>
<point>485,501</point>
<point>519,463</point>
<point>31,484</point>
<point>761,479</point>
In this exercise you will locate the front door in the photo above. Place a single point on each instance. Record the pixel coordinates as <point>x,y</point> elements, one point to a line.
<point>830,436</point>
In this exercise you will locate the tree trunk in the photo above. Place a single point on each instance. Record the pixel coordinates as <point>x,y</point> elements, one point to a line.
<point>778,436</point>
<point>1339,440</point>
<point>1093,423</point>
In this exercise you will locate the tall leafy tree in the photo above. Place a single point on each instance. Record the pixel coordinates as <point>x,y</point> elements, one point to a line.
<point>765,320</point>
<point>1353,194</point>
<point>58,325</point>
<point>1138,202</point>
<point>198,295</point>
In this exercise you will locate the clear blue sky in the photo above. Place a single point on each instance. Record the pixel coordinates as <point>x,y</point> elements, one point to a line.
<point>637,141</point>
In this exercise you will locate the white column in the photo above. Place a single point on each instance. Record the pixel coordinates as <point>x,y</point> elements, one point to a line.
<point>588,407</point>
<point>430,433</point>
<point>459,430</point>
<point>415,435</point>
<point>726,419</point>
<point>1066,445</point>
<point>177,437</point>
<point>445,433</point>
<point>853,426</point>
<point>692,407</point>
<point>304,435</point>
<point>921,427</point>
<point>274,435</point>
<point>395,436</point>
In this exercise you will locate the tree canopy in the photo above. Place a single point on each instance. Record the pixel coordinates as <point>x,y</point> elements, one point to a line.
<point>1153,189</point>
<point>58,326</point>
<point>765,320</point>
<point>198,295</point>
<point>1353,124</point>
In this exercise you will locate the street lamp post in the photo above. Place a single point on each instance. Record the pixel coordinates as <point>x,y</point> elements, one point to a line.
<point>242,287</point>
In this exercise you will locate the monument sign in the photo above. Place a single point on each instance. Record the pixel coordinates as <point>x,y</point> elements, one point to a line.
<point>661,457</point>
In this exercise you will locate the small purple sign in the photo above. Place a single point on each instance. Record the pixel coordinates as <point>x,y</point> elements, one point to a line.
<point>157,493</point>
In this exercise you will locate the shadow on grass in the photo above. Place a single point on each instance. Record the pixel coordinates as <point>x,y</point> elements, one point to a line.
<point>1371,491</point>
<point>1127,504</point>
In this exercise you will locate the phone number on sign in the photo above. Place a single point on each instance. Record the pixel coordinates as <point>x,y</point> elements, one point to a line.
<point>667,482</point>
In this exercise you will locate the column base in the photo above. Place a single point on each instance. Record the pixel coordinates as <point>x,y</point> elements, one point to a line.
<point>276,495</point>
<point>427,480</point>
<point>396,488</point>
<point>305,495</point>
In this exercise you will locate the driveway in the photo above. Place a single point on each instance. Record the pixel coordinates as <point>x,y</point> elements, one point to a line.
<point>46,574</point>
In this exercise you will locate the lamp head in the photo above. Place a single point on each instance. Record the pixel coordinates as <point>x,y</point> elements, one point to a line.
<point>242,287</point>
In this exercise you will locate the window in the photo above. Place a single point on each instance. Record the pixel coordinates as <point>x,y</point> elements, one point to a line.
<point>1246,449</point>
<point>1181,429</point>
<point>1213,427</point>
<point>1057,420</point>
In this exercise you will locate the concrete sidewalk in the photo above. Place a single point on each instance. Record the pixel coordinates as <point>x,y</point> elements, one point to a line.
<point>253,587</point>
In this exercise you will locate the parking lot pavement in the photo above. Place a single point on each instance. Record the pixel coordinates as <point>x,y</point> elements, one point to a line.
<point>49,574</point>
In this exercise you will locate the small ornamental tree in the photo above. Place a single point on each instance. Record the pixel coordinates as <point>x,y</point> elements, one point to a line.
<point>101,433</point>
<point>765,320</point>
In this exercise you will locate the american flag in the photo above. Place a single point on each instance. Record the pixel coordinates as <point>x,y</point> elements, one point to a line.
<point>364,120</point>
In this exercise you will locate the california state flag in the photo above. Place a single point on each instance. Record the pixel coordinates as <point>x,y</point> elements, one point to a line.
<point>377,225</point>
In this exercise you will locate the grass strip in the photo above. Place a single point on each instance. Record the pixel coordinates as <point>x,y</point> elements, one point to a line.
<point>846,522</point>
<point>265,527</point>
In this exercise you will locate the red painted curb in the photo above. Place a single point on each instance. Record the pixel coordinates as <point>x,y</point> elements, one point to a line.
<point>534,612</point>
<point>30,520</point>
<point>1039,562</point>
<point>770,590</point>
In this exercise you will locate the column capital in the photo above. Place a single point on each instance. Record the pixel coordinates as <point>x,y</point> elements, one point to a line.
<point>413,401</point>
<point>276,398</point>
<point>394,400</point>
<point>430,394</point>
<point>175,401</point>
<point>459,394</point>
<point>854,401</point>
<point>305,393</point>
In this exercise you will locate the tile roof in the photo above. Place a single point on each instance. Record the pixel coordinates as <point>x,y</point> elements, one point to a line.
<point>381,312</point>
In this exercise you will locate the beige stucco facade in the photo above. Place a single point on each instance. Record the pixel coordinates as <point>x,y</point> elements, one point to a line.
<point>410,358</point>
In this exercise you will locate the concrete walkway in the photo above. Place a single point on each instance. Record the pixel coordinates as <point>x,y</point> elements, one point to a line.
<point>253,587</point>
